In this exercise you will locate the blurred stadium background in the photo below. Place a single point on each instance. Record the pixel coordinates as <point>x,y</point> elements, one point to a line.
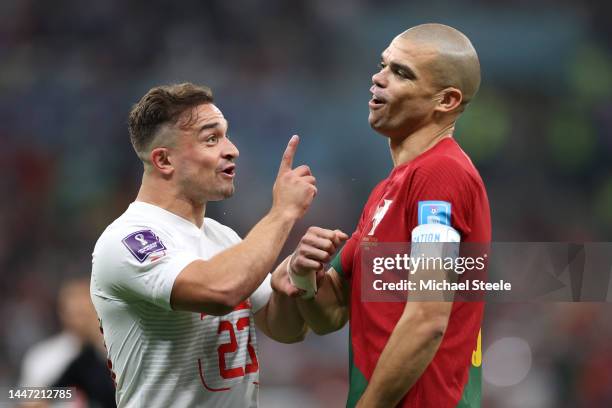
<point>540,132</point>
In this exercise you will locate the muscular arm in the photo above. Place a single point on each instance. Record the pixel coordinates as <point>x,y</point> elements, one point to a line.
<point>328,310</point>
<point>217,285</point>
<point>280,318</point>
<point>408,352</point>
<point>413,342</point>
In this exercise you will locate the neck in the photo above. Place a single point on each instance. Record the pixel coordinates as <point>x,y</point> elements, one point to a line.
<point>162,194</point>
<point>408,148</point>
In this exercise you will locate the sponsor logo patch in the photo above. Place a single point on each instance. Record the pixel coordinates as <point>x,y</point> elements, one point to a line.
<point>434,212</point>
<point>143,243</point>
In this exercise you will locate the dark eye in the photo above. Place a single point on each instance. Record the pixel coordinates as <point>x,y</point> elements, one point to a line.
<point>381,65</point>
<point>211,140</point>
<point>401,73</point>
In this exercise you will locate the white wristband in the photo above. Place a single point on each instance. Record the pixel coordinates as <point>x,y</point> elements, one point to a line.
<point>262,294</point>
<point>307,283</point>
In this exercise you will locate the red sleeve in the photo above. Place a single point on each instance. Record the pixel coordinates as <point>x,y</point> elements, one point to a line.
<point>446,180</point>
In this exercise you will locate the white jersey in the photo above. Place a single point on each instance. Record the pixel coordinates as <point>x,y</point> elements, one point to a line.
<point>160,357</point>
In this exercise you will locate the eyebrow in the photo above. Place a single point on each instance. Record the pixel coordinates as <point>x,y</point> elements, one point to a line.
<point>396,65</point>
<point>209,126</point>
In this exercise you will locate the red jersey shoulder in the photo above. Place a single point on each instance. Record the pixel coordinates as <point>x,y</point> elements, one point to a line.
<point>445,178</point>
<point>450,158</point>
<point>448,168</point>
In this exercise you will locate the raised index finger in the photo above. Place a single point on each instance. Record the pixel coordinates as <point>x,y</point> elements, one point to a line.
<point>287,160</point>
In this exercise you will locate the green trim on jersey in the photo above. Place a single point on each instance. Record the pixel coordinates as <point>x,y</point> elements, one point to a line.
<point>336,263</point>
<point>357,381</point>
<point>472,393</point>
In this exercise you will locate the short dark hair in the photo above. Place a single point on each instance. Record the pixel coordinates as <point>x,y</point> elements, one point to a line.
<point>161,105</point>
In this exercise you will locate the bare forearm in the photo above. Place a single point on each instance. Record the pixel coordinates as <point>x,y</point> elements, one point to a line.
<point>283,319</point>
<point>325,313</point>
<point>246,265</point>
<point>219,284</point>
<point>280,319</point>
<point>408,352</point>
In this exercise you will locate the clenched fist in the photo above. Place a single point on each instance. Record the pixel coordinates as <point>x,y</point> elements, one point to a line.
<point>306,265</point>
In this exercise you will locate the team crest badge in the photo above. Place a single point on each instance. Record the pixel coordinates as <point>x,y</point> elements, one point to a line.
<point>379,214</point>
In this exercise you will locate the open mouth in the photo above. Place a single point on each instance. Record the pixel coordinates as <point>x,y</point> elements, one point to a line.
<point>377,100</point>
<point>229,171</point>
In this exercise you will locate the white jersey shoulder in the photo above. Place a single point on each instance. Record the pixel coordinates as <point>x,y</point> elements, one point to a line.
<point>161,357</point>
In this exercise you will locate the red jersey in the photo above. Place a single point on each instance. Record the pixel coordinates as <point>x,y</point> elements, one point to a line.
<point>442,177</point>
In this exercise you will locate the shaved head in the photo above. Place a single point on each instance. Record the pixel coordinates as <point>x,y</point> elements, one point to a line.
<point>455,62</point>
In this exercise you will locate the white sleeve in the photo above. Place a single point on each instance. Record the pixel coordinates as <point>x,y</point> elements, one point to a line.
<point>138,264</point>
<point>260,297</point>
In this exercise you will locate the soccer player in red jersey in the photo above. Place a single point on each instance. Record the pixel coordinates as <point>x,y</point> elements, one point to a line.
<point>409,354</point>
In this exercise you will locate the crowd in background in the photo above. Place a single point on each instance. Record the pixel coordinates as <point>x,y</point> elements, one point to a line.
<point>539,131</point>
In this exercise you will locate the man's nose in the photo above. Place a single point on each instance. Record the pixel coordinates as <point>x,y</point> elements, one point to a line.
<point>379,79</point>
<point>230,151</point>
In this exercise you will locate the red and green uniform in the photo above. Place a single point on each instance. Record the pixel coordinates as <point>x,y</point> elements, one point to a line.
<point>441,185</point>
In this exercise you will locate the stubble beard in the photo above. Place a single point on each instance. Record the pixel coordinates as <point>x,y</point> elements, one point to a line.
<point>200,194</point>
<point>227,192</point>
<point>221,192</point>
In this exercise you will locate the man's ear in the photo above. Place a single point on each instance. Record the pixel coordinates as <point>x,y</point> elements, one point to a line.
<point>448,100</point>
<point>160,160</point>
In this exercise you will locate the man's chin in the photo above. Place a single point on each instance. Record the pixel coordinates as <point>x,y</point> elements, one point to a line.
<point>227,192</point>
<point>221,194</point>
<point>376,124</point>
<point>375,119</point>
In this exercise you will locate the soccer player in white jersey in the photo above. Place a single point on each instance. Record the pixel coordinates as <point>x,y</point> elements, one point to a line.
<point>178,295</point>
